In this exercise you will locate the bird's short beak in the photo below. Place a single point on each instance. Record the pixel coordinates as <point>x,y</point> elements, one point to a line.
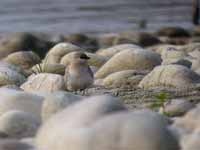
<point>85,57</point>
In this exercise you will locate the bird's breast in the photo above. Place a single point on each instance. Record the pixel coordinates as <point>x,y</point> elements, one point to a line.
<point>80,76</point>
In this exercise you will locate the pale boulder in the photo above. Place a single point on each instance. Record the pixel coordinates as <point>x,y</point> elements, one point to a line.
<point>96,60</point>
<point>58,51</point>
<point>198,71</point>
<point>134,59</point>
<point>143,130</point>
<point>56,102</point>
<point>16,68</point>
<point>191,47</point>
<point>171,76</point>
<point>66,59</point>
<point>80,115</point>
<point>123,78</point>
<point>178,107</point>
<point>29,141</point>
<point>18,124</point>
<point>98,82</point>
<point>195,64</point>
<point>97,107</point>
<point>9,76</point>
<point>184,127</point>
<point>24,59</point>
<point>195,53</point>
<point>187,129</point>
<point>171,55</point>
<point>20,100</point>
<point>191,142</point>
<point>45,82</point>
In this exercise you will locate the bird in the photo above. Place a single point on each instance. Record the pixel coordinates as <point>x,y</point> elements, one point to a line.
<point>78,74</point>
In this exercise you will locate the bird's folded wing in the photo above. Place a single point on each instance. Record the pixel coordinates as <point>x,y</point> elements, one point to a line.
<point>66,75</point>
<point>90,72</point>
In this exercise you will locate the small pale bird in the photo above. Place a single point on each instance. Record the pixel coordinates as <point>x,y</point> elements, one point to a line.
<point>78,75</point>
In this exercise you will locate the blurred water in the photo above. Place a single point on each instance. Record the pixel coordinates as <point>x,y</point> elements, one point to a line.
<point>92,16</point>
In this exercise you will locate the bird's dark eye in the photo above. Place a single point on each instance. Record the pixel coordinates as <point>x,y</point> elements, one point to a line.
<point>84,56</point>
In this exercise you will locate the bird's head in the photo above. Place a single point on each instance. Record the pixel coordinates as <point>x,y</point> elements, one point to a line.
<point>80,57</point>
